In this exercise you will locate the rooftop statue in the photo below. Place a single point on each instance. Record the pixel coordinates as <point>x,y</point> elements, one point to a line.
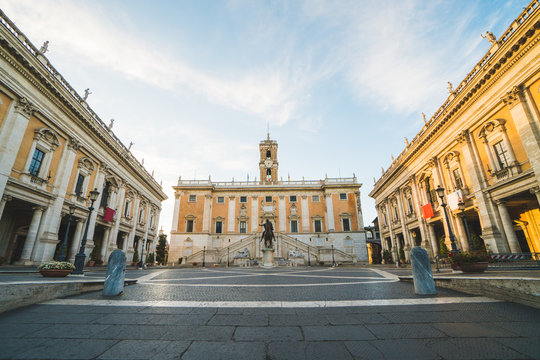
<point>490,37</point>
<point>86,93</point>
<point>44,47</point>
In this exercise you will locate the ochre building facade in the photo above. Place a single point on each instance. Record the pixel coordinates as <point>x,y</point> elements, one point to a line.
<point>53,151</point>
<point>483,147</point>
<point>313,220</point>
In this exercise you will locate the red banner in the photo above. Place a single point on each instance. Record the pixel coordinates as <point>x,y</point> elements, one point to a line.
<point>427,210</point>
<point>109,214</point>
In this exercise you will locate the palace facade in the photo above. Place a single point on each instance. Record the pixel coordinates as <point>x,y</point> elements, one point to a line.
<point>53,151</point>
<point>313,220</point>
<point>483,148</point>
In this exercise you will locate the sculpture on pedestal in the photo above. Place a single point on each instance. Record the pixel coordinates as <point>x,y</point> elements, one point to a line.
<point>268,234</point>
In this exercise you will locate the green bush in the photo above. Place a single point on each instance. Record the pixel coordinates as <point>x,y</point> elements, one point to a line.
<point>443,249</point>
<point>401,255</point>
<point>136,258</point>
<point>56,265</point>
<point>387,257</point>
<point>478,243</point>
<point>95,254</point>
<point>150,258</point>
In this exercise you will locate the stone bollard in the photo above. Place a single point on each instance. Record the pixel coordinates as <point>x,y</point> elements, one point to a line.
<point>116,273</point>
<point>421,269</point>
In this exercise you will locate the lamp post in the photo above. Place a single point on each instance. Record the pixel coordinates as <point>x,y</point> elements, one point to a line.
<point>204,256</point>
<point>308,257</point>
<point>62,256</point>
<point>333,261</point>
<point>227,256</point>
<point>80,257</point>
<point>461,205</point>
<point>440,193</point>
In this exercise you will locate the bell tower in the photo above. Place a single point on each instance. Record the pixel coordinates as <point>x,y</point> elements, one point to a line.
<point>268,163</point>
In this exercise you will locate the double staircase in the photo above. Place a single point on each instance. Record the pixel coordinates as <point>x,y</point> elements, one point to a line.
<point>284,243</point>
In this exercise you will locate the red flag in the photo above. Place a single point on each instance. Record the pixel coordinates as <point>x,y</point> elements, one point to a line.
<point>427,210</point>
<point>109,214</point>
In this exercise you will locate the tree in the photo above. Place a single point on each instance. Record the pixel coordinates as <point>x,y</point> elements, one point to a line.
<point>161,249</point>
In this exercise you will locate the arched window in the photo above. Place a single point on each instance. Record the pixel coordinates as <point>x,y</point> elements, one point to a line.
<point>268,154</point>
<point>268,174</point>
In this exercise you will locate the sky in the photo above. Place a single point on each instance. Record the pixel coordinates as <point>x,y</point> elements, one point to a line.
<point>194,84</point>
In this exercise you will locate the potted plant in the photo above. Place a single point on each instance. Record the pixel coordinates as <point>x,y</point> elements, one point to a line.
<point>136,259</point>
<point>194,264</point>
<point>56,268</point>
<point>150,259</point>
<point>469,262</point>
<point>94,256</point>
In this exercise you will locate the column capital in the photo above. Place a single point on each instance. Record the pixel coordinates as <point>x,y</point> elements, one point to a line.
<point>207,196</point>
<point>535,190</point>
<point>25,107</point>
<point>39,208</point>
<point>513,97</point>
<point>463,136</point>
<point>7,198</point>
<point>500,202</point>
<point>74,144</point>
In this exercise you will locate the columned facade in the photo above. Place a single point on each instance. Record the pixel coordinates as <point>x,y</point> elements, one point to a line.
<point>483,147</point>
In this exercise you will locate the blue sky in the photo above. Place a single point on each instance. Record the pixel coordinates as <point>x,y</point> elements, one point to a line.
<point>194,83</point>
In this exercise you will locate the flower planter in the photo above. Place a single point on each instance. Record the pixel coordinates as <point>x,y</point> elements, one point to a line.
<point>477,267</point>
<point>55,272</point>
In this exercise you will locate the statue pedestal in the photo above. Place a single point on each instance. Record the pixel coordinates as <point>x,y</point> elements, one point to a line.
<point>268,258</point>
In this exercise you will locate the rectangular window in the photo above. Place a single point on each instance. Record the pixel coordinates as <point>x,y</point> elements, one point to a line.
<point>192,198</point>
<point>268,199</point>
<point>294,226</point>
<point>243,227</point>
<point>410,205</point>
<point>37,160</point>
<point>292,198</point>
<point>343,196</point>
<point>219,227</point>
<point>502,154</point>
<point>79,186</point>
<point>243,199</point>
<point>220,200</point>
<point>315,198</point>
<point>126,209</point>
<point>318,227</point>
<point>189,226</point>
<point>346,225</point>
<point>457,178</point>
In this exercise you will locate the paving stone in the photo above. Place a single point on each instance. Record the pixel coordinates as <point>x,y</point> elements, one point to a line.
<point>71,318</point>
<point>19,330</point>
<point>156,319</point>
<point>353,319</point>
<point>216,333</point>
<point>132,332</point>
<point>340,333</point>
<point>524,329</point>
<point>268,333</point>
<point>66,349</point>
<point>225,351</point>
<point>479,348</point>
<point>146,349</point>
<point>327,350</point>
<point>296,320</point>
<point>269,311</point>
<point>11,347</point>
<point>239,320</point>
<point>404,331</point>
<point>69,331</point>
<point>114,309</point>
<point>405,349</point>
<point>166,310</point>
<point>361,350</point>
<point>528,347</point>
<point>474,330</point>
<point>287,350</point>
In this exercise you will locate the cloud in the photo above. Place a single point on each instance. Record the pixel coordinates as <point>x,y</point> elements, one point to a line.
<point>272,92</point>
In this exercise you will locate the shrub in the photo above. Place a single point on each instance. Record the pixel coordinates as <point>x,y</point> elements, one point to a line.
<point>401,255</point>
<point>321,263</point>
<point>387,257</point>
<point>136,258</point>
<point>478,243</point>
<point>150,258</point>
<point>56,265</point>
<point>443,249</point>
<point>464,257</point>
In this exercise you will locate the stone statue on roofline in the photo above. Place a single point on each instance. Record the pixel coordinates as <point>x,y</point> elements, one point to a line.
<point>86,93</point>
<point>490,37</point>
<point>44,48</point>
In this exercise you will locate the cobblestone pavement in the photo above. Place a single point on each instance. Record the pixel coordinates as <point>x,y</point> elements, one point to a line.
<point>283,313</point>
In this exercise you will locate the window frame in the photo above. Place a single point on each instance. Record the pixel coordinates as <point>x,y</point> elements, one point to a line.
<point>268,197</point>
<point>31,169</point>
<point>243,200</point>
<point>294,229</point>
<point>220,222</point>
<point>291,198</point>
<point>315,222</point>
<point>343,198</point>
<point>317,197</point>
<point>192,198</point>
<point>242,229</point>
<point>347,221</point>
<point>220,200</point>
<point>190,225</point>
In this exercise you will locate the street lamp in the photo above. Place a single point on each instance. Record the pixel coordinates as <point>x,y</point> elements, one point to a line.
<point>333,261</point>
<point>62,256</point>
<point>141,264</point>
<point>80,257</point>
<point>227,256</point>
<point>203,256</point>
<point>461,206</point>
<point>308,257</point>
<point>440,192</point>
